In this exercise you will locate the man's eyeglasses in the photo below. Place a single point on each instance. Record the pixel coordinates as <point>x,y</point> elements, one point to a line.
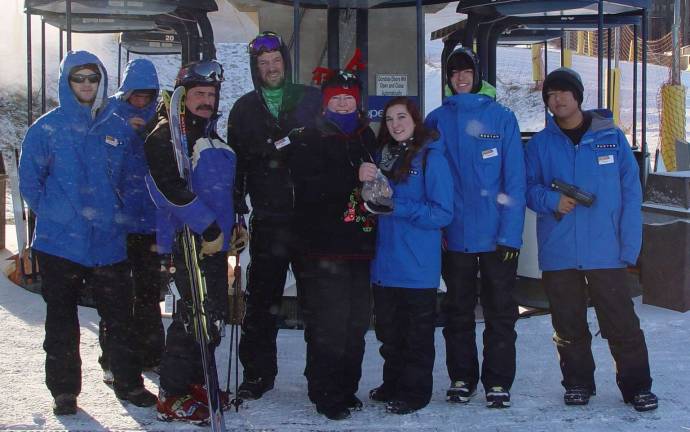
<point>79,78</point>
<point>265,42</point>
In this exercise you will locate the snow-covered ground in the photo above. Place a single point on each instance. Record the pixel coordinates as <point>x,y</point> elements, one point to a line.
<point>536,394</point>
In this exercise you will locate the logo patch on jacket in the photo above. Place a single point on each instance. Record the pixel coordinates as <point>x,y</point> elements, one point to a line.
<point>489,153</point>
<point>606,146</point>
<point>605,160</point>
<point>112,140</point>
<point>491,136</point>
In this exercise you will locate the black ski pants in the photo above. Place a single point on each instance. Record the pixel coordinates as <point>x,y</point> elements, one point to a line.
<point>336,306</point>
<point>271,249</point>
<point>500,314</point>
<point>149,333</point>
<point>405,325</point>
<point>568,292</point>
<point>61,280</point>
<point>181,365</point>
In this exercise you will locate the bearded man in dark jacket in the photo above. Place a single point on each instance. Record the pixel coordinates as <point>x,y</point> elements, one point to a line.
<point>260,125</point>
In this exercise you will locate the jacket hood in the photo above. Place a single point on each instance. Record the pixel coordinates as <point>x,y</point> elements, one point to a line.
<point>256,79</point>
<point>602,119</point>
<point>67,98</point>
<point>140,74</point>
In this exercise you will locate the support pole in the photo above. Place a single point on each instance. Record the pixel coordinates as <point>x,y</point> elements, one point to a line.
<point>420,55</point>
<point>333,37</point>
<point>635,45</point>
<point>362,42</point>
<point>68,18</point>
<point>29,82</point>
<point>675,64</point>
<point>546,72</point>
<point>119,62</point>
<point>295,39</point>
<point>609,78</point>
<point>645,36</point>
<point>61,47</point>
<point>43,66</point>
<point>600,55</point>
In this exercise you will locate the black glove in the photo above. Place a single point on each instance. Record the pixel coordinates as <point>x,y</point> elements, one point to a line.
<point>507,253</point>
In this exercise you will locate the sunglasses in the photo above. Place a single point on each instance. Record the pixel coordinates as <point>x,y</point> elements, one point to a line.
<point>265,42</point>
<point>78,78</point>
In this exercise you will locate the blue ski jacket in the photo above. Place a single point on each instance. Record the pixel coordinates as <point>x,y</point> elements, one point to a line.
<point>609,233</point>
<point>213,177</point>
<point>482,143</point>
<point>140,74</point>
<point>72,172</point>
<point>408,241</point>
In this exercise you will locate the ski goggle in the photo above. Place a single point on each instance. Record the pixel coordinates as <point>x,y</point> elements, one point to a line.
<point>265,42</point>
<point>209,71</point>
<point>79,78</point>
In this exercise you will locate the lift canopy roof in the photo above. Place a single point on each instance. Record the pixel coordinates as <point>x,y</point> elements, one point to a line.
<point>102,23</point>
<point>357,4</point>
<point>115,7</point>
<point>549,7</point>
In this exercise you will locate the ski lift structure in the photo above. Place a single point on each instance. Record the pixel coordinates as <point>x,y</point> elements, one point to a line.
<point>150,27</point>
<point>493,22</point>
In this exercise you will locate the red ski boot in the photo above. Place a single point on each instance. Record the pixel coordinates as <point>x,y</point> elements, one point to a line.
<point>181,408</point>
<point>199,393</point>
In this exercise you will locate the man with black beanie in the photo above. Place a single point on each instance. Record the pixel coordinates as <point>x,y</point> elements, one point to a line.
<point>484,151</point>
<point>584,250</point>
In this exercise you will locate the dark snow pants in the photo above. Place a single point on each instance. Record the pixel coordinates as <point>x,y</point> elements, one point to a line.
<point>500,314</point>
<point>405,325</point>
<point>60,283</point>
<point>271,249</point>
<point>147,324</point>
<point>568,292</point>
<point>181,365</point>
<point>336,306</point>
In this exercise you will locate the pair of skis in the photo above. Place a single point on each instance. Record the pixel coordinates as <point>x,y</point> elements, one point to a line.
<point>200,319</point>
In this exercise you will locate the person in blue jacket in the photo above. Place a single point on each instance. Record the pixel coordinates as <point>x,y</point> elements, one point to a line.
<point>72,174</point>
<point>584,250</point>
<point>135,101</point>
<point>206,207</point>
<point>486,158</point>
<point>406,270</point>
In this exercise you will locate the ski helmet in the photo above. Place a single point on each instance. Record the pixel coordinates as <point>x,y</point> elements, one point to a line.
<point>461,59</point>
<point>205,72</point>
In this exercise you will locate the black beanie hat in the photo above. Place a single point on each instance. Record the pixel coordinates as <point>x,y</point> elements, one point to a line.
<point>462,59</point>
<point>563,79</point>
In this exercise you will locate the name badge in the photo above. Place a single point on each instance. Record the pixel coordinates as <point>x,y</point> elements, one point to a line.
<point>489,153</point>
<point>111,140</point>
<point>282,143</point>
<point>605,160</point>
<point>169,303</point>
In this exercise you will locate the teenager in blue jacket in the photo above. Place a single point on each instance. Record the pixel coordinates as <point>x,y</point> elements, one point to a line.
<point>71,173</point>
<point>206,207</point>
<point>406,269</point>
<point>584,250</point>
<point>135,101</point>
<point>486,158</point>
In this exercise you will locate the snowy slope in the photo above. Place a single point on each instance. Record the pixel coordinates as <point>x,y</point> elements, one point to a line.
<point>537,394</point>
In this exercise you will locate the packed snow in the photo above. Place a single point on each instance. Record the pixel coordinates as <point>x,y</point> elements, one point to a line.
<point>536,394</point>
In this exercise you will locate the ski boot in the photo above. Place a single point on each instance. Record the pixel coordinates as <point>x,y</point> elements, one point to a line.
<point>200,394</point>
<point>181,408</point>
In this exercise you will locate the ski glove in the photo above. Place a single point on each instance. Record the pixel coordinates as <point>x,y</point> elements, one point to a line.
<point>239,239</point>
<point>507,253</point>
<point>212,240</point>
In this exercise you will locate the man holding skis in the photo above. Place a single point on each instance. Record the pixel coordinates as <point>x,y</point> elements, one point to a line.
<point>259,129</point>
<point>206,207</point>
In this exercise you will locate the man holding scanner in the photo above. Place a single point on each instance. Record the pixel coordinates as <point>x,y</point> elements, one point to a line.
<point>583,182</point>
